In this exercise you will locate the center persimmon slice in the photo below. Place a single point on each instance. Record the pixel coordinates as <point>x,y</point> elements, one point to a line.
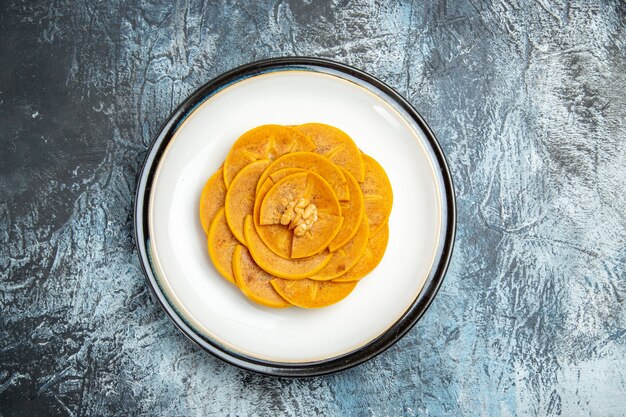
<point>316,194</point>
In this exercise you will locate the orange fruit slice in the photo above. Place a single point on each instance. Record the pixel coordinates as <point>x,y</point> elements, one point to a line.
<point>253,281</point>
<point>352,212</point>
<point>278,236</point>
<point>267,184</point>
<point>212,199</point>
<point>336,145</point>
<point>371,257</point>
<point>221,245</point>
<point>263,142</point>
<point>307,293</point>
<point>316,191</point>
<point>276,265</point>
<point>239,201</point>
<point>347,256</point>
<point>377,194</point>
<point>315,163</point>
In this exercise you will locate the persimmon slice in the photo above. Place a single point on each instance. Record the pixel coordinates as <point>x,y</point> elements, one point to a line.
<point>277,237</point>
<point>372,256</point>
<point>352,212</point>
<point>263,142</point>
<point>221,245</point>
<point>377,194</point>
<point>336,145</point>
<point>312,189</point>
<point>346,256</point>
<point>239,201</point>
<point>212,199</point>
<point>253,281</point>
<point>307,293</point>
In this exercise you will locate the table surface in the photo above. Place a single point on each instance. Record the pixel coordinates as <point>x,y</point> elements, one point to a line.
<point>527,100</point>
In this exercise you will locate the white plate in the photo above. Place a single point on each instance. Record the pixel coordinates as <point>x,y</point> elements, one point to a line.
<point>194,143</point>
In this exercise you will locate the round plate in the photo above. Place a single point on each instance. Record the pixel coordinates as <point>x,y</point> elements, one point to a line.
<point>294,342</point>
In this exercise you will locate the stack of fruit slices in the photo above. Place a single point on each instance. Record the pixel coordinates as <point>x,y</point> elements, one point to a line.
<point>296,215</point>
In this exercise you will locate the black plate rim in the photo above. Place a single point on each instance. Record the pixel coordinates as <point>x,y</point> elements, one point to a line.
<point>287,369</point>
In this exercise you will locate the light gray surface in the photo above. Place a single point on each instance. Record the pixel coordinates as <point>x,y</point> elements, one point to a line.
<point>528,102</point>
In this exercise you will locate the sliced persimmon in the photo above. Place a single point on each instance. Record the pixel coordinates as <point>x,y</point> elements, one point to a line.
<point>288,189</point>
<point>352,212</point>
<point>277,237</point>
<point>263,188</point>
<point>372,256</point>
<point>318,238</point>
<point>377,194</point>
<point>315,163</point>
<point>253,281</point>
<point>212,199</point>
<point>336,145</point>
<point>277,265</point>
<point>221,245</point>
<point>313,189</point>
<point>307,293</point>
<point>263,142</point>
<point>268,182</point>
<point>239,201</point>
<point>346,256</point>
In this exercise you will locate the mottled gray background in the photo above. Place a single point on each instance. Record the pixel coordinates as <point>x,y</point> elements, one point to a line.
<point>527,100</point>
